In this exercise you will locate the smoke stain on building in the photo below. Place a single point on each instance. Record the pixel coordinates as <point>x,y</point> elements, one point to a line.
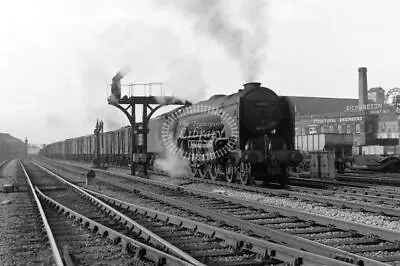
<point>371,120</point>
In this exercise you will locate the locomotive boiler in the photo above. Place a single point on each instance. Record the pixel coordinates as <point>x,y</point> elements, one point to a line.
<point>238,137</point>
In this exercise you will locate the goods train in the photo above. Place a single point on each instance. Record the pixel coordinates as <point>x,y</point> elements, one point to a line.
<point>249,134</point>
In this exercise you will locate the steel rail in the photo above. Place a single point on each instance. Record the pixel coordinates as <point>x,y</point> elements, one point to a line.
<point>371,192</point>
<point>262,247</point>
<point>141,249</point>
<point>373,196</point>
<point>352,180</point>
<point>56,253</point>
<point>298,179</point>
<point>153,238</point>
<point>268,233</point>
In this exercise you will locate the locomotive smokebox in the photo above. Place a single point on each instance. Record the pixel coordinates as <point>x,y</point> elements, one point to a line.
<point>362,86</point>
<point>252,85</point>
<point>260,108</point>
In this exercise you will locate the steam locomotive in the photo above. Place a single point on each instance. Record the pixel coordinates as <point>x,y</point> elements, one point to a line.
<point>247,135</point>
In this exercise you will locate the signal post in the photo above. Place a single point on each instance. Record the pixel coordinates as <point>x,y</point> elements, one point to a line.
<point>98,133</point>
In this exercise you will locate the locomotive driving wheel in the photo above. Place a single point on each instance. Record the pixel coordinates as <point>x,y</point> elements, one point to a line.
<point>230,172</point>
<point>214,171</point>
<point>203,170</point>
<point>195,170</point>
<point>244,172</point>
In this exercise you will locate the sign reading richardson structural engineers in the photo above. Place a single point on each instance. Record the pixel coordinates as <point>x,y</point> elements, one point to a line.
<point>374,108</point>
<point>357,108</point>
<point>338,120</point>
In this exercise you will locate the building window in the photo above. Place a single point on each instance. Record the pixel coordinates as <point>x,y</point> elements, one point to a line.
<point>324,129</point>
<point>370,128</point>
<point>331,129</point>
<point>313,130</point>
<point>349,131</point>
<point>381,127</point>
<point>340,129</point>
<point>358,128</point>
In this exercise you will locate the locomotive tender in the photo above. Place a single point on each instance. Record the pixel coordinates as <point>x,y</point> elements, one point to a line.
<point>249,134</point>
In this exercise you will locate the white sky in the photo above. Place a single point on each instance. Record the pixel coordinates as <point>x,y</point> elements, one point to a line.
<point>57,57</point>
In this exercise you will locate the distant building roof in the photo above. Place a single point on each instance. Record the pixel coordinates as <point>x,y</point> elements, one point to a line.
<point>320,105</point>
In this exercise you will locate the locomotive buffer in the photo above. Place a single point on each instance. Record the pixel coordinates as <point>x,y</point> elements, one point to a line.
<point>150,105</point>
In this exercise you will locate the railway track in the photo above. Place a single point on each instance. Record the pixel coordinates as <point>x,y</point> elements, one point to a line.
<point>366,189</point>
<point>371,178</point>
<point>379,200</point>
<point>103,238</point>
<point>372,200</point>
<point>23,235</point>
<point>290,227</point>
<point>349,178</point>
<point>382,201</point>
<point>80,240</point>
<point>358,198</point>
<point>212,245</point>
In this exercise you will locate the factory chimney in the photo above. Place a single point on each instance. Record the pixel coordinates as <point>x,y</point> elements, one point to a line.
<point>362,86</point>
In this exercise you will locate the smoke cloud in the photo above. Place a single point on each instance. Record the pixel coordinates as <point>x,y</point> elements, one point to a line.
<point>152,55</point>
<point>116,85</point>
<point>185,79</point>
<point>173,165</point>
<point>244,42</point>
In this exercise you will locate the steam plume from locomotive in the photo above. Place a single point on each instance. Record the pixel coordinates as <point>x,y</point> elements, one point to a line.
<point>245,45</point>
<point>116,84</point>
<point>173,165</point>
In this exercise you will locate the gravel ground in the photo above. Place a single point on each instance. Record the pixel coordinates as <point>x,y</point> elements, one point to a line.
<point>20,239</point>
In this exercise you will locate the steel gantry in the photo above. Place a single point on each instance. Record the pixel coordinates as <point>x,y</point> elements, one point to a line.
<point>150,104</point>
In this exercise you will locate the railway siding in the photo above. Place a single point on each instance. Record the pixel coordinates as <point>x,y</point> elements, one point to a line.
<point>263,248</point>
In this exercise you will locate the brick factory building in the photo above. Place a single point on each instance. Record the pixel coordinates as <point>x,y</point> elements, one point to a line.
<point>369,124</point>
